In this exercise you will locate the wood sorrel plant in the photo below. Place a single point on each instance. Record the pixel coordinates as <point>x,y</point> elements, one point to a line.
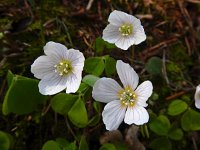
<point>71,110</point>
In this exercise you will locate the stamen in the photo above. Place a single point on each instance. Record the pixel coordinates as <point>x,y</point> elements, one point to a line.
<point>63,67</point>
<point>128,97</point>
<point>126,29</point>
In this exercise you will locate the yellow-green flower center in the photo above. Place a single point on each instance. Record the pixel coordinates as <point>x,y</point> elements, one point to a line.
<point>63,68</point>
<point>126,29</point>
<point>127,97</point>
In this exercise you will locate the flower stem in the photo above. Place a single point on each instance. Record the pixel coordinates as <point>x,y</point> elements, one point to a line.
<point>70,129</point>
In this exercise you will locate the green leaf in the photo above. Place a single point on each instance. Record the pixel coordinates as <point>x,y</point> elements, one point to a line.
<point>96,106</point>
<point>94,65</point>
<point>51,145</point>
<point>95,120</point>
<point>154,66</point>
<point>119,145</point>
<point>109,45</point>
<point>161,144</point>
<point>9,77</point>
<point>62,142</point>
<point>177,107</point>
<point>71,146</point>
<point>78,114</point>
<point>110,66</point>
<point>5,141</point>
<point>90,79</point>
<point>83,88</point>
<point>108,146</point>
<point>190,120</point>
<point>160,125</point>
<point>62,103</point>
<point>175,134</point>
<point>83,144</point>
<point>22,96</point>
<point>100,45</point>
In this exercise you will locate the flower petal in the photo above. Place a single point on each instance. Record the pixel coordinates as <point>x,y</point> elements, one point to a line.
<point>197,97</point>
<point>76,58</point>
<point>73,82</point>
<point>111,33</point>
<point>43,66</point>
<point>138,35</point>
<point>143,92</point>
<point>52,84</point>
<point>55,50</point>
<point>106,90</point>
<point>127,75</point>
<point>137,115</point>
<point>125,42</point>
<point>118,18</point>
<point>113,115</point>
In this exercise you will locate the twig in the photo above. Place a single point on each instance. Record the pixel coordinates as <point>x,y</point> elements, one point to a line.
<point>189,21</point>
<point>42,21</point>
<point>2,62</point>
<point>99,10</point>
<point>194,143</point>
<point>86,42</point>
<point>154,49</point>
<point>164,68</point>
<point>188,46</point>
<point>194,1</point>
<point>89,4</point>
<point>144,16</point>
<point>175,95</point>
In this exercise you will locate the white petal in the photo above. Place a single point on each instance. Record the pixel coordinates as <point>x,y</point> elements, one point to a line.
<point>197,97</point>
<point>138,35</point>
<point>118,18</point>
<point>73,82</point>
<point>143,92</point>
<point>55,50</point>
<point>43,66</point>
<point>76,58</point>
<point>125,42</point>
<point>52,84</point>
<point>137,115</point>
<point>106,90</point>
<point>111,33</point>
<point>113,115</point>
<point>127,75</point>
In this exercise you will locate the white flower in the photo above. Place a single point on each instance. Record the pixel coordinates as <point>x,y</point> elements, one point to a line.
<point>123,103</point>
<point>59,69</point>
<point>124,30</point>
<point>197,97</point>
